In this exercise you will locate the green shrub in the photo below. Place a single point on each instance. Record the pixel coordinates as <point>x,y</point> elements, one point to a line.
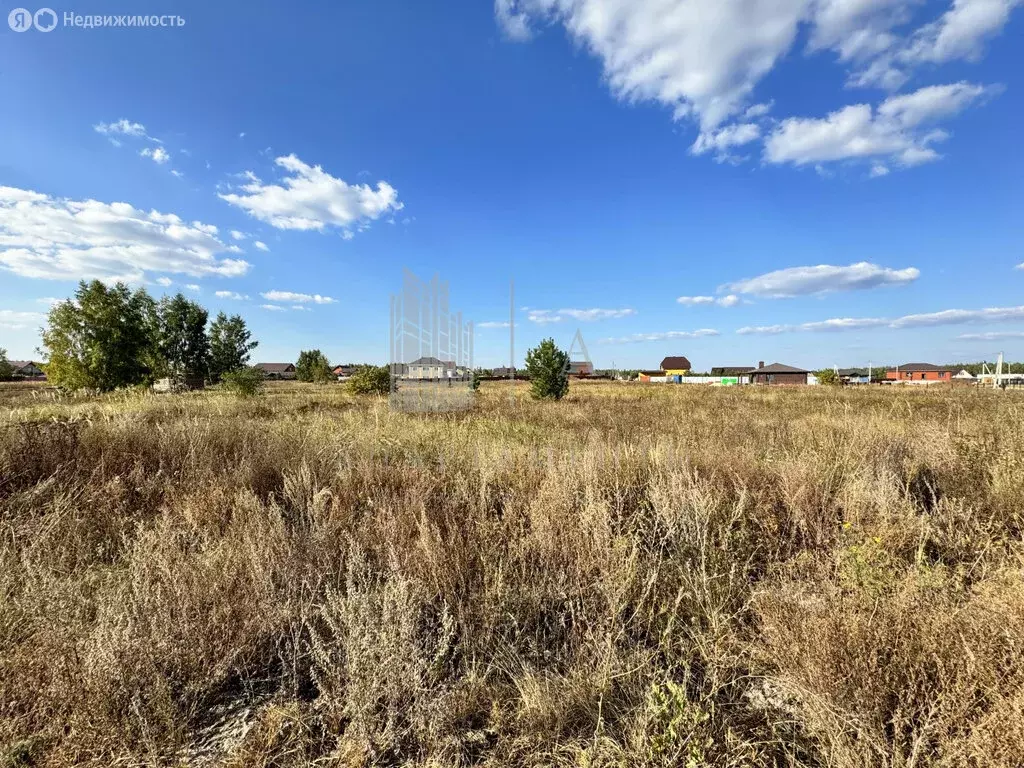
<point>828,377</point>
<point>548,369</point>
<point>313,367</point>
<point>245,382</point>
<point>370,380</point>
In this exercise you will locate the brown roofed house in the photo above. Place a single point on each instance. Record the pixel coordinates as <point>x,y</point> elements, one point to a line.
<point>777,374</point>
<point>675,366</point>
<point>277,370</point>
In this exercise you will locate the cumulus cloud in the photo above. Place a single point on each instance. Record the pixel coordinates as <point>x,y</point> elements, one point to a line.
<point>699,57</point>
<point>192,287</point>
<point>897,130</point>
<point>960,33</point>
<point>301,298</point>
<point>661,336</point>
<point>309,198</point>
<point>61,239</point>
<point>261,246</point>
<point>166,282</point>
<point>236,235</point>
<point>703,59</point>
<point>233,295</point>
<point>823,278</point>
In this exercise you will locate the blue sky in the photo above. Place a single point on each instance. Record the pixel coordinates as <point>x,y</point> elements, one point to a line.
<point>816,182</point>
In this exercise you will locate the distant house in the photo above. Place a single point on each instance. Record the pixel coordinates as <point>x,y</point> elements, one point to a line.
<point>427,368</point>
<point>777,374</point>
<point>504,372</point>
<point>277,370</point>
<point>344,371</point>
<point>649,375</point>
<point>581,368</point>
<point>27,369</point>
<point>675,366</point>
<point>730,370</point>
<point>854,376</point>
<point>920,372</point>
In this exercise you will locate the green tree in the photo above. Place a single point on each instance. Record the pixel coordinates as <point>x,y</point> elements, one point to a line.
<point>244,382</point>
<point>6,370</point>
<point>548,369</point>
<point>230,345</point>
<point>370,380</point>
<point>102,339</point>
<point>313,366</point>
<point>829,377</point>
<point>184,345</point>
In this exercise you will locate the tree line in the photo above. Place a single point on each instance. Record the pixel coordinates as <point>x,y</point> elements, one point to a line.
<point>108,337</point>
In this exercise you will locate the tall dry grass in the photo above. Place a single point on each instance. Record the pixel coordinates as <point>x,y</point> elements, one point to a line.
<point>640,575</point>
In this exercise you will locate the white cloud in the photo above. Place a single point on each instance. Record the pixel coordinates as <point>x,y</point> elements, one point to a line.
<point>311,198</point>
<point>159,155</point>
<point>931,103</point>
<point>703,59</point>
<point>166,282</point>
<point>584,315</point>
<point>50,301</point>
<point>662,336</point>
<point>192,287</point>
<point>493,324</point>
<point>260,245</point>
<point>233,295</point>
<point>823,278</point>
<point>958,316</point>
<point>13,320</point>
<point>699,57</point>
<point>542,316</point>
<point>764,329</point>
<point>588,315</point>
<point>273,307</point>
<point>991,336</point>
<point>758,110</point>
<point>896,130</point>
<point>513,22</point>
<point>1020,266</point>
<point>122,127</point>
<point>878,170</point>
<point>291,296</point>
<point>60,239</point>
<point>722,140</point>
<point>923,320</point>
<point>960,33</point>
<point>236,235</point>
<point>695,301</point>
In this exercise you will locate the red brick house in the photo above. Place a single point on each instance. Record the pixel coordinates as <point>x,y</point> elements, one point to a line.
<point>920,372</point>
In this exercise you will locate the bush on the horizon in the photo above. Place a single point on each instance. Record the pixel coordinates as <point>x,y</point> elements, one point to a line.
<point>370,380</point>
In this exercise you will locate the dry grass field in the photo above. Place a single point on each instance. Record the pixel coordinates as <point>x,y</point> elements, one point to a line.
<point>640,575</point>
